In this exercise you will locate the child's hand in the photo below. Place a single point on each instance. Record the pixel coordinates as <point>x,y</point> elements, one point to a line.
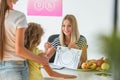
<point>70,77</point>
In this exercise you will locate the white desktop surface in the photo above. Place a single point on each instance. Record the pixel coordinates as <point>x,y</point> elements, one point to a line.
<point>81,75</point>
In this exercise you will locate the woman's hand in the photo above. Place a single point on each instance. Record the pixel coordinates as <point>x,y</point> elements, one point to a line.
<point>49,49</point>
<point>50,52</point>
<point>47,45</point>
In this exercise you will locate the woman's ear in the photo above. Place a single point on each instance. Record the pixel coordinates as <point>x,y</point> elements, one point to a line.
<point>11,3</point>
<point>14,1</point>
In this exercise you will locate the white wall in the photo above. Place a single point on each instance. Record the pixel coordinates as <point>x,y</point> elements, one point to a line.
<point>93,16</point>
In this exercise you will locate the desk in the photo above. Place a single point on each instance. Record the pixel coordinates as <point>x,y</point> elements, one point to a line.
<point>81,75</point>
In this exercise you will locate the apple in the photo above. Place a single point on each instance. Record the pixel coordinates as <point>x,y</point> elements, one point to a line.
<point>105,66</point>
<point>99,62</point>
<point>89,63</point>
<point>84,65</point>
<point>93,66</point>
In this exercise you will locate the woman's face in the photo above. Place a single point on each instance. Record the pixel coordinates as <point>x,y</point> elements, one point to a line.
<point>14,1</point>
<point>67,27</point>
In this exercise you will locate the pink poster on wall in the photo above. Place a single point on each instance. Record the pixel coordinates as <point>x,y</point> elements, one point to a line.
<point>44,8</point>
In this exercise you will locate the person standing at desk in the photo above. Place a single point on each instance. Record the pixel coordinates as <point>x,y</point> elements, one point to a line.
<point>13,54</point>
<point>70,37</point>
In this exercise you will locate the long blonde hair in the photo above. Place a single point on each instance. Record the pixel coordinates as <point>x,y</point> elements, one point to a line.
<point>33,35</point>
<point>3,8</point>
<point>75,32</point>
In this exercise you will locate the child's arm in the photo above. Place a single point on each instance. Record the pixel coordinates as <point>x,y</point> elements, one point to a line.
<point>56,74</point>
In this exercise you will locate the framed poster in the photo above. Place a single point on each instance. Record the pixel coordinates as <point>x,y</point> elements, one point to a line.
<point>66,57</point>
<point>44,8</point>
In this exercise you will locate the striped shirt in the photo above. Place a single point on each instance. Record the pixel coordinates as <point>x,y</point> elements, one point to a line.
<point>80,43</point>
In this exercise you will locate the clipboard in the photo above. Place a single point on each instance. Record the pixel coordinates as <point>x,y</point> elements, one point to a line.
<point>68,58</point>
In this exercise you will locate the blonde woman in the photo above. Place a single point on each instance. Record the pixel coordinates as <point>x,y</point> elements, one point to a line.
<point>70,37</point>
<point>13,54</point>
<point>33,36</point>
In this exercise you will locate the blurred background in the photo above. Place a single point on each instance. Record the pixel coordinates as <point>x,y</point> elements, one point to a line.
<point>93,16</point>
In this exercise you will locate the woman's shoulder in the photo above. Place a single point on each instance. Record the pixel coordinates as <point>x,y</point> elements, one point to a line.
<point>58,38</point>
<point>82,38</point>
<point>18,13</point>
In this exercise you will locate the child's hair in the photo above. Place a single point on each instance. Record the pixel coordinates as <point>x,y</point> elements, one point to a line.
<point>33,35</point>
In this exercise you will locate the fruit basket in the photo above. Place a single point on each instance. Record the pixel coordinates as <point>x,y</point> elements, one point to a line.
<point>101,64</point>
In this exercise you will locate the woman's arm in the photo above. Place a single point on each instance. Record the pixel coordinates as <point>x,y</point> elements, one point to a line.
<point>83,56</point>
<point>23,52</point>
<point>56,74</point>
<point>82,45</point>
<point>49,49</point>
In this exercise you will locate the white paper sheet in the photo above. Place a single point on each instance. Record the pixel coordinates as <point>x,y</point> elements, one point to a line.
<point>66,57</point>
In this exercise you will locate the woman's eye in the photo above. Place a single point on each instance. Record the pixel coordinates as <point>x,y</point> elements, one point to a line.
<point>66,25</point>
<point>69,25</point>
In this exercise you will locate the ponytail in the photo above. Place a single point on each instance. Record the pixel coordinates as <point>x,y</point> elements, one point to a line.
<point>3,8</point>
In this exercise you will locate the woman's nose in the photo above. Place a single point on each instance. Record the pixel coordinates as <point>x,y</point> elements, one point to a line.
<point>66,28</point>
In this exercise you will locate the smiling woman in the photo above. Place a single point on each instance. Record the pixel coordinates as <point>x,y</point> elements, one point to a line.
<point>70,37</point>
